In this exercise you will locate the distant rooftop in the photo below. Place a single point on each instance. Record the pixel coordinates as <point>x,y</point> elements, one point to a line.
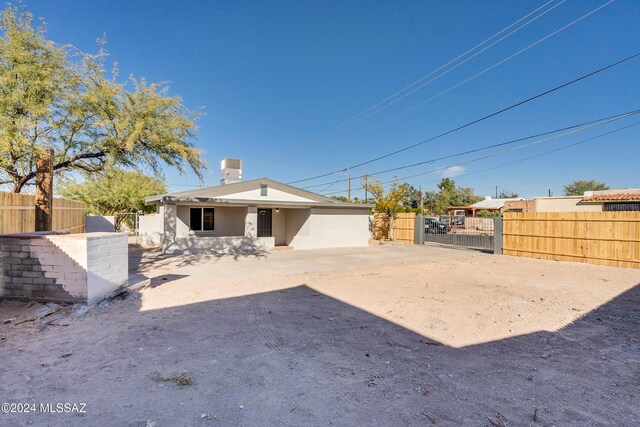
<point>490,203</point>
<point>617,195</point>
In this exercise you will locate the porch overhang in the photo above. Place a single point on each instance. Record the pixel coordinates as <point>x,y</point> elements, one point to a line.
<point>215,201</point>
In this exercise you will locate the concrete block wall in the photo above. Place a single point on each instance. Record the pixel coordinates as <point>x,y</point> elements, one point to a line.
<point>62,267</point>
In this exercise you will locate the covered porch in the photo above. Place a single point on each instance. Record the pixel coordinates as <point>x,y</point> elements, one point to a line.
<point>220,228</point>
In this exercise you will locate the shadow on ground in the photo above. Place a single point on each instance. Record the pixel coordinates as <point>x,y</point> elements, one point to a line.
<point>298,357</point>
<point>141,259</point>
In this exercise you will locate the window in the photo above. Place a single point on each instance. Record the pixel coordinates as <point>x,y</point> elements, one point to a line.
<point>621,207</point>
<point>201,219</point>
<point>263,189</point>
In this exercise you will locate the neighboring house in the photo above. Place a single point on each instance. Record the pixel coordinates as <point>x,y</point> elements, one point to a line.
<point>251,216</point>
<point>591,201</point>
<point>488,204</point>
<point>614,200</point>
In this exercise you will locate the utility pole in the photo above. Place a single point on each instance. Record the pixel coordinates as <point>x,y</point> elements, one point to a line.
<point>496,191</point>
<point>44,191</point>
<point>349,193</point>
<point>366,188</point>
<point>421,198</point>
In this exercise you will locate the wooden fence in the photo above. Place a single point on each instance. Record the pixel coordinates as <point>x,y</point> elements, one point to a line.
<point>403,226</point>
<point>17,214</point>
<point>604,238</point>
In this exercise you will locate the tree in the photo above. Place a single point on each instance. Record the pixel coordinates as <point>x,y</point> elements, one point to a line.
<point>449,194</point>
<point>578,187</point>
<point>413,197</point>
<point>60,98</point>
<point>506,194</point>
<point>487,214</point>
<point>387,201</point>
<point>113,192</point>
<point>340,199</point>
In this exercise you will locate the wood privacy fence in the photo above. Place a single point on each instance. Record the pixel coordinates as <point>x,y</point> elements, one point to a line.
<point>403,226</point>
<point>17,214</point>
<point>604,238</point>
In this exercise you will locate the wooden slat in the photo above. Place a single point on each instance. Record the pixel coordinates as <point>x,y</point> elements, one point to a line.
<point>603,238</point>
<point>17,217</point>
<point>403,226</point>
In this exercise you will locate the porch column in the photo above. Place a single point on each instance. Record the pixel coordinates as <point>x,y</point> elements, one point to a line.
<point>169,221</point>
<point>251,223</point>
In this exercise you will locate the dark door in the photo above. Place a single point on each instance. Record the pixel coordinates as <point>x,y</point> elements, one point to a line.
<point>264,222</point>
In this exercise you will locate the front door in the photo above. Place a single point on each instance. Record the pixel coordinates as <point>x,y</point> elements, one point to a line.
<point>264,222</point>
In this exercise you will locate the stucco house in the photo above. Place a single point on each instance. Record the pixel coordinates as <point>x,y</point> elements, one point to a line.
<point>251,216</point>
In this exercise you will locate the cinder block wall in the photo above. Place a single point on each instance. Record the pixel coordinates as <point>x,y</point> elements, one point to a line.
<point>69,267</point>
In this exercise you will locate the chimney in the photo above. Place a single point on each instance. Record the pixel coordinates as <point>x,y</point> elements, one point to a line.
<point>230,171</point>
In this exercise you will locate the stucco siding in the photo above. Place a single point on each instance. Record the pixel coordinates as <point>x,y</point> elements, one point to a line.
<point>298,225</point>
<point>565,204</point>
<point>278,226</point>
<point>273,195</point>
<point>228,221</point>
<point>333,228</point>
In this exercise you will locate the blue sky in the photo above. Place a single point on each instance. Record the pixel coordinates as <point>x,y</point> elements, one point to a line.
<point>274,79</point>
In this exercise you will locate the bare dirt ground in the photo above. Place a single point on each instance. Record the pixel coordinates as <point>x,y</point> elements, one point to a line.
<point>385,335</point>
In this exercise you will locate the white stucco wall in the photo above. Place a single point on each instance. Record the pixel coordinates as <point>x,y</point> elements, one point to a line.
<point>99,224</point>
<point>279,226</point>
<point>334,228</point>
<point>273,195</point>
<point>327,228</point>
<point>150,230</point>
<point>228,221</point>
<point>298,227</point>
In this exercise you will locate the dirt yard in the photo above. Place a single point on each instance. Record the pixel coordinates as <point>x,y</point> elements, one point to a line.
<point>385,335</point>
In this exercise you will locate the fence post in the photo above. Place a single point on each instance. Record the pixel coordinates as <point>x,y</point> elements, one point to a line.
<point>418,232</point>
<point>497,235</point>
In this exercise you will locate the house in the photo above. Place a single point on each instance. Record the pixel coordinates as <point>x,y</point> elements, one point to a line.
<point>591,201</point>
<point>614,200</point>
<point>488,204</point>
<point>251,216</point>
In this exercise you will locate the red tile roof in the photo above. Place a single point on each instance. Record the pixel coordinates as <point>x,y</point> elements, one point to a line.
<point>614,197</point>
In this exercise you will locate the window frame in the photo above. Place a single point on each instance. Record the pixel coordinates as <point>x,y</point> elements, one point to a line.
<point>202,229</point>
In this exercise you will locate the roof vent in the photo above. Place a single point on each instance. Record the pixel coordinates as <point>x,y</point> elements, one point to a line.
<point>230,171</point>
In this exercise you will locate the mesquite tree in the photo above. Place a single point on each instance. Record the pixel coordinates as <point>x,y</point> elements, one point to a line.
<point>57,97</point>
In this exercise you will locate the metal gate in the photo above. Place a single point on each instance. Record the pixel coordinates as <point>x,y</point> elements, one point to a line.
<point>460,232</point>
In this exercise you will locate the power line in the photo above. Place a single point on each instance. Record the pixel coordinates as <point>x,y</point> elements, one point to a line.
<point>481,119</point>
<point>476,159</point>
<point>418,84</point>
<point>486,147</point>
<point>497,64</point>
<point>542,154</point>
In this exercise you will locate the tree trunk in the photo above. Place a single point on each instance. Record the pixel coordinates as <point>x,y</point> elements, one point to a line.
<point>44,191</point>
<point>391,236</point>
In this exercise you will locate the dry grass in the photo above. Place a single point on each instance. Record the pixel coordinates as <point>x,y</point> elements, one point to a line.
<point>181,378</point>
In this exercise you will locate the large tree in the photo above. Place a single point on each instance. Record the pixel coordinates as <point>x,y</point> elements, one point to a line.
<point>115,191</point>
<point>578,187</point>
<point>438,202</point>
<point>57,97</point>
<point>389,200</point>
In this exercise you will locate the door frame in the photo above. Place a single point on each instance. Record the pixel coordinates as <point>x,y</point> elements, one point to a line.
<point>266,213</point>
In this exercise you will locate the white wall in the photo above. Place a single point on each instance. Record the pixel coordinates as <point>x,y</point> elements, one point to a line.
<point>99,223</point>
<point>273,195</point>
<point>298,227</point>
<point>150,230</point>
<point>228,221</point>
<point>327,228</point>
<point>279,226</point>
